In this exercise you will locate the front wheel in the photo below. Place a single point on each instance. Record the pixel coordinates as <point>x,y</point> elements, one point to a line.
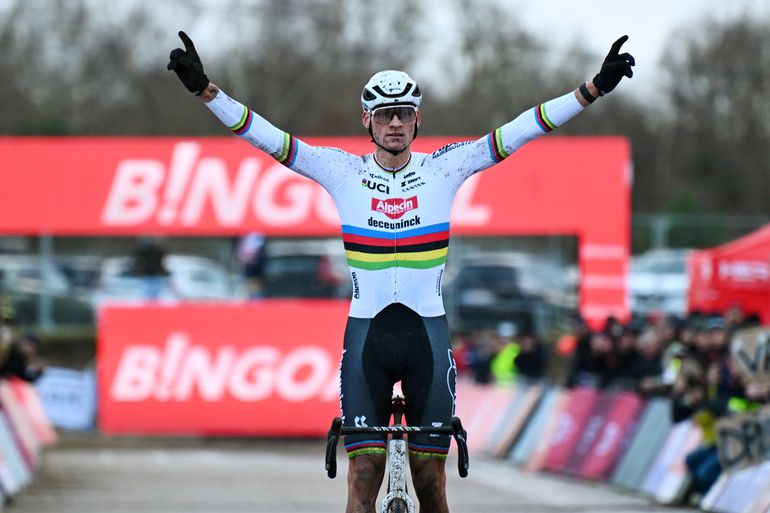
<point>397,506</point>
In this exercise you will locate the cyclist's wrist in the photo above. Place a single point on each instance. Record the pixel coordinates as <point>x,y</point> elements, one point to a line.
<point>587,93</point>
<point>209,93</point>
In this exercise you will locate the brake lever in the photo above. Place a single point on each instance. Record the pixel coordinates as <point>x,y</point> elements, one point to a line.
<point>461,437</point>
<point>331,447</point>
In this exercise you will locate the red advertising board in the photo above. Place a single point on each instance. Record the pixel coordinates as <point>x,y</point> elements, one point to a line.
<point>262,368</point>
<point>222,186</point>
<point>610,442</point>
<point>570,427</point>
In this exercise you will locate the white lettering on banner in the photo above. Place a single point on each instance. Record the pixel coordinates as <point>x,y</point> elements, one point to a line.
<point>291,387</point>
<point>182,160</point>
<point>744,270</point>
<point>205,371</point>
<point>180,191</point>
<point>229,202</point>
<point>603,252</point>
<point>564,427</point>
<point>181,371</point>
<point>464,212</point>
<point>135,379</point>
<point>133,196</point>
<point>609,439</point>
<point>299,193</point>
<point>175,348</point>
<point>604,281</point>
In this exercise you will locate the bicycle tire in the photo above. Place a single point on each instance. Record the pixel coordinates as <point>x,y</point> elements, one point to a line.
<point>397,506</point>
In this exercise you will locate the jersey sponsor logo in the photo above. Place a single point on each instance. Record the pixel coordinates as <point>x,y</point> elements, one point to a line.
<point>413,186</point>
<point>182,371</point>
<point>405,223</point>
<point>404,183</point>
<point>438,282</point>
<point>356,290</point>
<point>380,187</point>
<point>394,207</point>
<point>449,147</point>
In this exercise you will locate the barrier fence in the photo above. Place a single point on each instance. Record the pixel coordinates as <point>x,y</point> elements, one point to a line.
<point>618,438</point>
<point>271,369</point>
<point>24,432</point>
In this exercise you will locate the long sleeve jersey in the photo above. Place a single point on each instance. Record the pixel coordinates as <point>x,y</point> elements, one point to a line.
<point>395,225</point>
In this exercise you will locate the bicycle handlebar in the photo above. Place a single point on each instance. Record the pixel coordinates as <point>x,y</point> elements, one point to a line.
<point>455,429</point>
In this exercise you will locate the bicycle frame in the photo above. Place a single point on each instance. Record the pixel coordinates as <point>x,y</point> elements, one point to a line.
<point>397,463</point>
<point>397,450</point>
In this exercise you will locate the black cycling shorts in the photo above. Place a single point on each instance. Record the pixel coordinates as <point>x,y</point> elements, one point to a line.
<point>397,345</point>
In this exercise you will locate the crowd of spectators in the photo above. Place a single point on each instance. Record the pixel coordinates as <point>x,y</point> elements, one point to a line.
<point>687,360</point>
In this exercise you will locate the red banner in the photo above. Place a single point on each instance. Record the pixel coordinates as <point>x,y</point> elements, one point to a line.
<point>612,438</point>
<point>265,368</point>
<point>571,423</point>
<point>223,186</point>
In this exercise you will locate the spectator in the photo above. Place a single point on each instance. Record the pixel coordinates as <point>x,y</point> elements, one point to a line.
<point>482,347</point>
<point>702,393</point>
<point>251,255</point>
<point>595,361</point>
<point>23,360</point>
<point>531,361</point>
<point>621,373</point>
<point>648,366</point>
<point>7,325</point>
<point>147,264</point>
<point>503,363</point>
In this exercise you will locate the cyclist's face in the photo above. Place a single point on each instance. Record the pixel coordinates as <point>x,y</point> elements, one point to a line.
<point>392,127</point>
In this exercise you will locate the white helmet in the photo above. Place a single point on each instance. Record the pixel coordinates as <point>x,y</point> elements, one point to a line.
<point>390,87</point>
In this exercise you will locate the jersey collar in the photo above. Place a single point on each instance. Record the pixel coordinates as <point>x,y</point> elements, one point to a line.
<point>392,170</point>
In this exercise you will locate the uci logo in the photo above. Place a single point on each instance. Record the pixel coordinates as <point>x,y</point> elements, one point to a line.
<point>381,187</point>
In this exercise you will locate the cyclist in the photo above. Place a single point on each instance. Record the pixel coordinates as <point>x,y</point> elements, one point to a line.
<point>394,207</point>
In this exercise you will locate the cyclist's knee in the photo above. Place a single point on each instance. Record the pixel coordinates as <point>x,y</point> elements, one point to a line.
<point>429,476</point>
<point>366,472</point>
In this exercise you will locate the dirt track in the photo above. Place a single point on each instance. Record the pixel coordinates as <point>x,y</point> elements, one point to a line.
<point>95,475</point>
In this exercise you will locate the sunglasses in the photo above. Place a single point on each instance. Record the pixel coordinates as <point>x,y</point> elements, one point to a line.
<point>405,113</point>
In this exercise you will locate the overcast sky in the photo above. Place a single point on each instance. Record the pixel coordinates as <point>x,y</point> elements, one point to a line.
<point>596,24</point>
<point>648,23</point>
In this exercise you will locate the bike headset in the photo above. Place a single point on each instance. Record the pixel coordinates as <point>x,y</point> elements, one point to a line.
<point>390,88</point>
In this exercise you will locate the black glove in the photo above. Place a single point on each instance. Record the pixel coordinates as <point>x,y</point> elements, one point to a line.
<point>614,68</point>
<point>187,66</point>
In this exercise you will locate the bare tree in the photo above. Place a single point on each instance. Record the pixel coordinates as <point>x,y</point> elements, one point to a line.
<point>717,146</point>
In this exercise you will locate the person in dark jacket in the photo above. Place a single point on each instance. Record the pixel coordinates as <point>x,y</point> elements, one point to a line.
<point>531,361</point>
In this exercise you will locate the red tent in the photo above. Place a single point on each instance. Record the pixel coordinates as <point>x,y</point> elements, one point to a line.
<point>736,273</point>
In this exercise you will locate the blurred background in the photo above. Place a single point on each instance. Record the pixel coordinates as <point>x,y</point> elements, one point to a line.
<point>696,116</point>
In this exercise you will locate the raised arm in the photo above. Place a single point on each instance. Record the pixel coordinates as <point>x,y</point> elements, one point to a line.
<point>236,116</point>
<point>543,118</point>
<point>327,166</point>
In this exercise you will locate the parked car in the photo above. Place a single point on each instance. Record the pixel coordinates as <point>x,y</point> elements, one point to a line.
<point>30,282</point>
<point>191,278</point>
<point>658,282</point>
<point>485,289</point>
<point>30,275</point>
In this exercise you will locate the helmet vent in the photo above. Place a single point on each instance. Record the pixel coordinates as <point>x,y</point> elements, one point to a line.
<point>394,95</point>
